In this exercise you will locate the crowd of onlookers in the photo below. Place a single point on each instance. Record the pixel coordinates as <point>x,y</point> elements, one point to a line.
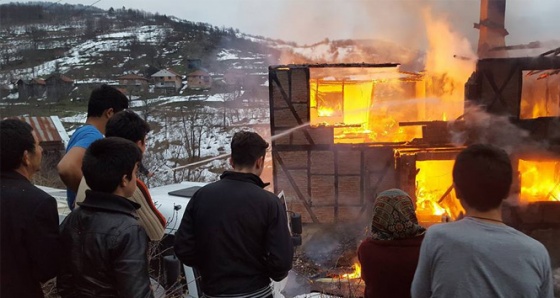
<point>233,232</point>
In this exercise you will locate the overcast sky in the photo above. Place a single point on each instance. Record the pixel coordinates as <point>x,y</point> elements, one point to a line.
<point>309,21</point>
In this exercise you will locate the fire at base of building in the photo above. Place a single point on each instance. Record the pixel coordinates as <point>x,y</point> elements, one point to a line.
<point>349,131</point>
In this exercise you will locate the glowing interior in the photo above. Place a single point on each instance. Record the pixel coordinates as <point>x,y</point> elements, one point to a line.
<point>540,180</point>
<point>540,96</point>
<point>433,197</point>
<point>368,105</point>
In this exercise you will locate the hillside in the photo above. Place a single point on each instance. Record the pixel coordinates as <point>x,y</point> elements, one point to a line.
<point>93,46</point>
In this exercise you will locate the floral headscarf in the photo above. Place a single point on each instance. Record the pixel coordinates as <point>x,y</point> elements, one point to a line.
<point>394,216</point>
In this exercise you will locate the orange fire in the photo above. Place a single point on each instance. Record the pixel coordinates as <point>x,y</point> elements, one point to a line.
<point>539,95</point>
<point>356,274</point>
<point>435,198</point>
<point>540,180</point>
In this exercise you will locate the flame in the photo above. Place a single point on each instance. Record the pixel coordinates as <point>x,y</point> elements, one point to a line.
<point>356,274</point>
<point>539,95</point>
<point>540,180</point>
<point>434,197</point>
<point>368,107</point>
<point>325,112</point>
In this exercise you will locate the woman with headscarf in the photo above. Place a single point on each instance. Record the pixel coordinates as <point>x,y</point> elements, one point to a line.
<point>390,255</point>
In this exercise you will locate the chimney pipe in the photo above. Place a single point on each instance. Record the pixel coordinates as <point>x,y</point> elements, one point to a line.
<point>492,29</point>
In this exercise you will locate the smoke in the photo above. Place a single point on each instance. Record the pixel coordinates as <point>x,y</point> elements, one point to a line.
<point>484,128</point>
<point>399,21</point>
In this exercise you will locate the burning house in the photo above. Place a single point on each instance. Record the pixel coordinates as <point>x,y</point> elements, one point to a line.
<point>346,132</point>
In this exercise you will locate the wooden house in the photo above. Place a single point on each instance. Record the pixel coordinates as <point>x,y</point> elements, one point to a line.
<point>133,83</point>
<point>58,86</point>
<point>33,88</point>
<point>167,81</point>
<point>199,80</point>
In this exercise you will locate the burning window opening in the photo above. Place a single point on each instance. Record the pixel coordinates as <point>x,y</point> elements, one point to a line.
<point>540,94</point>
<point>367,105</point>
<point>540,181</point>
<point>435,197</point>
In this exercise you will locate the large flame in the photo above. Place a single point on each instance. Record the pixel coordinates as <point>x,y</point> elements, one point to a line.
<point>367,105</point>
<point>435,198</point>
<point>540,180</point>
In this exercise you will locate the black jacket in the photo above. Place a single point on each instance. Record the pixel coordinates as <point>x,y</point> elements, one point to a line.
<point>105,250</point>
<point>29,241</point>
<point>235,234</point>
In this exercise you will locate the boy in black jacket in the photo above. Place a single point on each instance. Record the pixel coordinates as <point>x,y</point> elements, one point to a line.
<point>104,246</point>
<point>233,231</point>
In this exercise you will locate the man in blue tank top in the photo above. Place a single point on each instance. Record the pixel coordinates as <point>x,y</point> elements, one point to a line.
<point>104,101</point>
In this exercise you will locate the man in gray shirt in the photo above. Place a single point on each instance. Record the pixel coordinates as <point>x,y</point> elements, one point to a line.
<point>479,256</point>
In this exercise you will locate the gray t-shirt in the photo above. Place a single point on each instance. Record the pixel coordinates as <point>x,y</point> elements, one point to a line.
<point>473,258</point>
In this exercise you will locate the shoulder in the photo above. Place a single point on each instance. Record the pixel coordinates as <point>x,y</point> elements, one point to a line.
<point>446,231</point>
<point>34,194</point>
<point>83,135</point>
<point>86,130</point>
<point>532,246</point>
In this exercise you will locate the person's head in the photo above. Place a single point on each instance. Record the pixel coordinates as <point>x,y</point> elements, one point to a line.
<point>19,148</point>
<point>482,176</point>
<point>110,166</point>
<point>247,152</point>
<point>128,125</point>
<point>394,216</point>
<point>105,101</point>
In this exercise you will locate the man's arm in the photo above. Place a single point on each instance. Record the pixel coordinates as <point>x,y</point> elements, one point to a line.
<point>43,240</point>
<point>278,244</point>
<point>422,282</point>
<point>185,241</point>
<point>70,168</point>
<point>131,264</point>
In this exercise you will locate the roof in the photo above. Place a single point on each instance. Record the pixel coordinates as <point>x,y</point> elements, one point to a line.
<point>47,128</point>
<point>198,73</point>
<point>35,81</point>
<point>62,78</point>
<point>165,73</point>
<point>131,77</point>
<point>173,71</point>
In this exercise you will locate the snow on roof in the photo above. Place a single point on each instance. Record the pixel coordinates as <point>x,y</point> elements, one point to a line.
<point>165,73</point>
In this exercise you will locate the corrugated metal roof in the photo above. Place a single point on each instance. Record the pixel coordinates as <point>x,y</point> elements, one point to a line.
<point>44,127</point>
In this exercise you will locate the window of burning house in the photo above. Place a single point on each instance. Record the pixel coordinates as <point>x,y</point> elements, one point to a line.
<point>540,95</point>
<point>365,105</point>
<point>435,196</point>
<point>539,180</point>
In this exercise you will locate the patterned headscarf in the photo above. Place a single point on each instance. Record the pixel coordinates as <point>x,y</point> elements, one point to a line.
<point>394,216</point>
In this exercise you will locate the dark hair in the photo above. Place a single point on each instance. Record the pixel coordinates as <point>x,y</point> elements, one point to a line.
<point>15,137</point>
<point>482,175</point>
<point>105,97</point>
<point>127,125</point>
<point>246,148</point>
<point>107,160</point>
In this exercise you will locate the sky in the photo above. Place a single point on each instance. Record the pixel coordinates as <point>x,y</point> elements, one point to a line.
<point>310,21</point>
